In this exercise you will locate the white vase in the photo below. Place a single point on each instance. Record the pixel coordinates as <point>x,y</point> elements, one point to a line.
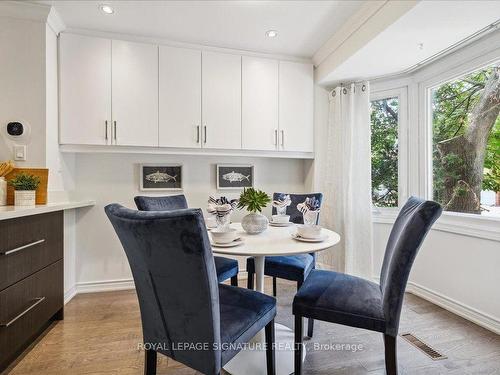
<point>254,223</point>
<point>3,191</point>
<point>24,197</point>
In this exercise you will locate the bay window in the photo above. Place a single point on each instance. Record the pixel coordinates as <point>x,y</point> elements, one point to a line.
<point>466,142</point>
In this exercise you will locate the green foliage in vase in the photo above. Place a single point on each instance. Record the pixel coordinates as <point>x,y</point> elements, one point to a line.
<point>253,200</point>
<point>24,181</point>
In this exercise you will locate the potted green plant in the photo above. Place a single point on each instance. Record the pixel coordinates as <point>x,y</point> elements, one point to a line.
<point>25,189</point>
<point>254,201</point>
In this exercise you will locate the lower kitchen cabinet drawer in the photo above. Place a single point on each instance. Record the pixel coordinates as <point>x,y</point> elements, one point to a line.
<point>26,307</point>
<point>27,244</point>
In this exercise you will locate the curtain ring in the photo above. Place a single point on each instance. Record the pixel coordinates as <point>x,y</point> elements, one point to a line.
<point>334,92</point>
<point>363,88</point>
<point>344,91</point>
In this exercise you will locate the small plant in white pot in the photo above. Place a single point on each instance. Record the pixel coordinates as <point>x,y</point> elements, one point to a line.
<point>254,201</point>
<point>25,189</point>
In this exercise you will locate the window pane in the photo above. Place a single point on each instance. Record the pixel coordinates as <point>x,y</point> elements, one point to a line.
<point>466,143</point>
<point>384,127</point>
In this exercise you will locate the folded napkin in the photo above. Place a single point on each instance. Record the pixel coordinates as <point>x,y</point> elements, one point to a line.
<point>221,206</point>
<point>282,201</point>
<point>310,204</point>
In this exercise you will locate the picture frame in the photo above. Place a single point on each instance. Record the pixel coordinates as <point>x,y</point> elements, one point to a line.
<point>235,176</point>
<point>160,177</point>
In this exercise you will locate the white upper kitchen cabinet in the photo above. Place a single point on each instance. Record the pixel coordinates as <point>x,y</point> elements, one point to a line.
<point>85,90</point>
<point>180,97</point>
<point>135,93</point>
<point>259,103</point>
<point>221,100</point>
<point>296,106</point>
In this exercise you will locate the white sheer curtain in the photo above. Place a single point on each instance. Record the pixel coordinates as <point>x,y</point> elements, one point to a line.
<point>347,178</point>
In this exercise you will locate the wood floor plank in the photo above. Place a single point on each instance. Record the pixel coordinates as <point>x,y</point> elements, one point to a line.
<point>101,332</point>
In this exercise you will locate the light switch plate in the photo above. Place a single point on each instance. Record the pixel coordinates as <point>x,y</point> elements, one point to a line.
<point>20,152</point>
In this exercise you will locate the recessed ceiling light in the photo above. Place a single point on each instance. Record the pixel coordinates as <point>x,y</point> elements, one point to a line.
<point>106,9</point>
<point>272,34</point>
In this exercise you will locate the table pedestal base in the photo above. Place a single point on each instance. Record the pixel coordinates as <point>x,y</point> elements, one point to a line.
<point>252,361</point>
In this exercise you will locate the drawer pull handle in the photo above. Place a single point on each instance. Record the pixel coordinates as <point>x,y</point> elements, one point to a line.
<point>21,247</point>
<point>32,306</point>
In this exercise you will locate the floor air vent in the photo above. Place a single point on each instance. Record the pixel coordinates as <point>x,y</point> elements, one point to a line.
<point>419,344</point>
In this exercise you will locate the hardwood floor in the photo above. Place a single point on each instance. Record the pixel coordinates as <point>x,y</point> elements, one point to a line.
<point>101,332</point>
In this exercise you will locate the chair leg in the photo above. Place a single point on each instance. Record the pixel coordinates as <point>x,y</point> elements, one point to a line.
<point>234,280</point>
<point>250,281</point>
<point>150,362</point>
<point>270,360</point>
<point>274,287</point>
<point>298,345</point>
<point>310,327</point>
<point>391,360</point>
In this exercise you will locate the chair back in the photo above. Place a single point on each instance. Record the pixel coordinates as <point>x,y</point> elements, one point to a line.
<point>174,273</point>
<point>295,215</point>
<point>410,228</point>
<point>166,203</point>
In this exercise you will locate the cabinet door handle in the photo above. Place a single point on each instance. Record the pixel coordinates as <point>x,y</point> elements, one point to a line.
<point>198,134</point>
<point>282,138</point>
<point>114,133</point>
<point>15,250</point>
<point>276,137</point>
<point>32,306</point>
<point>205,134</point>
<point>106,133</point>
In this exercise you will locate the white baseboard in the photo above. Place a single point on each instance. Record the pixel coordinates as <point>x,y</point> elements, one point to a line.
<point>69,294</point>
<point>458,308</point>
<point>104,286</point>
<point>324,266</point>
<point>111,286</point>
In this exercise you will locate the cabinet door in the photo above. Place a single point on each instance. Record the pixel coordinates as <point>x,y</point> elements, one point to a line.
<point>180,97</point>
<point>221,100</point>
<point>259,103</point>
<point>296,106</point>
<point>135,93</point>
<point>85,90</point>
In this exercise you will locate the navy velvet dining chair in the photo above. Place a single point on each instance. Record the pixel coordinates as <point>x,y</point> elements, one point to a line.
<point>186,314</point>
<point>226,268</point>
<point>356,302</point>
<point>293,267</point>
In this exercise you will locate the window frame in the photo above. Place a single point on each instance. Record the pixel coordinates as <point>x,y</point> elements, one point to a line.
<point>426,128</point>
<point>469,58</point>
<point>401,93</point>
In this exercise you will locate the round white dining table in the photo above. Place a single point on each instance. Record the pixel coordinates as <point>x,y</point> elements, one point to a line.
<point>273,241</point>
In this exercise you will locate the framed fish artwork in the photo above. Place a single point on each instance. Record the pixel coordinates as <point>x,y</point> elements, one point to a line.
<point>231,176</point>
<point>160,177</point>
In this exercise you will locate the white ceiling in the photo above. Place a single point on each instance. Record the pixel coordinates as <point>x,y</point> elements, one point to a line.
<point>303,26</point>
<point>436,24</point>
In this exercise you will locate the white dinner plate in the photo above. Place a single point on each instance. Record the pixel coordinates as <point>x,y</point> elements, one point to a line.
<point>280,224</point>
<point>295,236</point>
<point>234,243</point>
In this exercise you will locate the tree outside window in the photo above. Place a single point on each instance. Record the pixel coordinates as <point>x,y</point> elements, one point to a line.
<point>384,151</point>
<point>466,143</point>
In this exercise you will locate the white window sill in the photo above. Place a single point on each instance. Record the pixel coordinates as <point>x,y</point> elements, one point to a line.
<point>485,227</point>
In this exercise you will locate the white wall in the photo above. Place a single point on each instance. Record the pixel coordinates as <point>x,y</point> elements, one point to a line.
<point>61,166</point>
<point>22,81</point>
<point>458,272</point>
<point>29,84</point>
<point>110,178</point>
<point>454,270</point>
